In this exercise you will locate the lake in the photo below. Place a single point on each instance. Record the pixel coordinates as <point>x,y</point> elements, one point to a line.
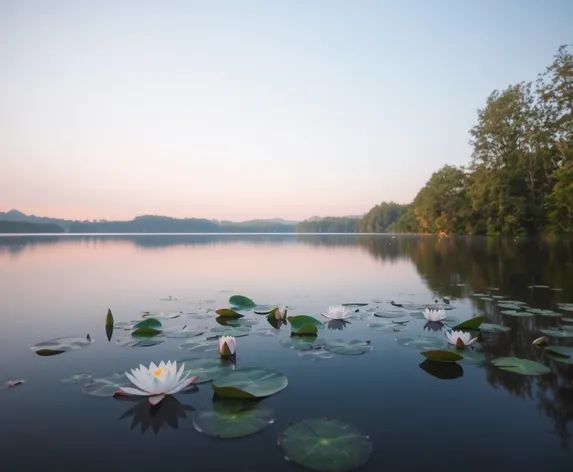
<point>387,407</point>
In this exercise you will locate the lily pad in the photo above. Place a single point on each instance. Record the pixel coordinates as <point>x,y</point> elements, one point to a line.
<point>349,348</point>
<point>228,312</point>
<point>200,346</point>
<point>61,345</point>
<point>236,331</point>
<point>267,332</point>
<point>325,445</point>
<point>442,370</point>
<point>557,333</point>
<point>473,323</point>
<point>106,386</point>
<point>470,355</point>
<point>264,309</point>
<point>391,314</point>
<point>231,418</point>
<point>136,341</point>
<point>522,314</point>
<point>249,382</point>
<point>515,302</point>
<point>206,368</point>
<point>494,328</point>
<point>509,306</point>
<point>567,320</point>
<point>441,355</point>
<point>354,304</point>
<point>148,323</point>
<point>241,301</point>
<point>541,312</point>
<point>304,324</point>
<point>560,353</point>
<point>146,332</point>
<point>161,315</point>
<point>109,319</point>
<point>565,306</point>
<point>521,366</point>
<point>424,343</point>
<point>12,383</point>
<point>238,322</point>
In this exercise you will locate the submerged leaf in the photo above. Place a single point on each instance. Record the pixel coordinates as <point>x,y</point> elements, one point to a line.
<point>442,370</point>
<point>325,445</point>
<point>230,418</point>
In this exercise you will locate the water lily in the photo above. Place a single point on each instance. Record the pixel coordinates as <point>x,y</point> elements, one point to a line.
<point>227,346</point>
<point>434,315</point>
<point>337,312</point>
<point>157,381</point>
<point>460,339</point>
<point>280,313</point>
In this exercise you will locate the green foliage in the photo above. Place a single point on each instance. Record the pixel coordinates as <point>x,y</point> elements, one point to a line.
<point>329,224</point>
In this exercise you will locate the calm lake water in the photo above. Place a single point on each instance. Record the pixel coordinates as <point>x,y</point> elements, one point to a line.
<point>419,417</point>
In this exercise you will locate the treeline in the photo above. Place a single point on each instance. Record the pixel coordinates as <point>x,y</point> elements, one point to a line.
<point>19,227</point>
<point>520,178</point>
<point>329,224</point>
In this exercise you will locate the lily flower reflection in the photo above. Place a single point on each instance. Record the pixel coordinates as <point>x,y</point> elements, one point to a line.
<point>338,325</point>
<point>159,417</point>
<point>435,326</point>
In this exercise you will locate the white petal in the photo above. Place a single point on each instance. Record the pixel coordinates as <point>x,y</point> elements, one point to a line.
<point>132,391</point>
<point>134,381</point>
<point>182,385</point>
<point>155,399</point>
<point>472,341</point>
<point>152,367</point>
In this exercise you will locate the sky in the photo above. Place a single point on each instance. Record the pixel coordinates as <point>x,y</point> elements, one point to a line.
<point>244,109</point>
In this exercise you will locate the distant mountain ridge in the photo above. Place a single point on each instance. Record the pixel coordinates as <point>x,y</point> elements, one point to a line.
<point>154,224</point>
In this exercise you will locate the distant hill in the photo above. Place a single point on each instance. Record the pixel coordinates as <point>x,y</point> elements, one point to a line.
<point>154,224</point>
<point>24,227</point>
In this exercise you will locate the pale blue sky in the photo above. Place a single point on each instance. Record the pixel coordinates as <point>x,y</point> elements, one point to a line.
<point>243,109</point>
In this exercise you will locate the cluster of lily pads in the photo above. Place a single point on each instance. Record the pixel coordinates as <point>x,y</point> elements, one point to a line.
<point>320,444</point>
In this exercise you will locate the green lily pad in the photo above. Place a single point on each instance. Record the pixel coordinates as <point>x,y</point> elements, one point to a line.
<point>521,366</point>
<point>264,309</point>
<point>480,294</point>
<point>487,299</point>
<point>303,324</point>
<point>302,343</point>
<point>236,331</point>
<point>61,345</point>
<point>354,304</point>
<point>161,315</point>
<point>183,333</point>
<point>565,306</point>
<point>109,319</point>
<point>232,418</point>
<point>441,355</point>
<point>522,314</point>
<point>325,445</point>
<point>425,343</point>
<point>200,346</point>
<point>494,328</point>
<point>515,302</point>
<point>151,323</point>
<point>241,301</point>
<point>557,333</point>
<point>228,312</point>
<point>238,322</point>
<point>146,332</point>
<point>76,378</point>
<point>562,354</point>
<point>473,323</point>
<point>442,370</point>
<point>249,382</point>
<point>137,341</point>
<point>106,386</point>
<point>471,356</point>
<point>206,368</point>
<point>539,311</point>
<point>567,320</point>
<point>391,314</point>
<point>349,348</point>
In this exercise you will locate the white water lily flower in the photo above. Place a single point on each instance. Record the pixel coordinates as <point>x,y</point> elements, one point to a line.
<point>337,312</point>
<point>460,339</point>
<point>227,345</point>
<point>434,315</point>
<point>157,381</point>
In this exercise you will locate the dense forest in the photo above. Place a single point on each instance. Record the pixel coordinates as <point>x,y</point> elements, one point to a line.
<point>520,178</point>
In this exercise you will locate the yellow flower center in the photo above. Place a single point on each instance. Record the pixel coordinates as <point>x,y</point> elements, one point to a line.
<point>157,372</point>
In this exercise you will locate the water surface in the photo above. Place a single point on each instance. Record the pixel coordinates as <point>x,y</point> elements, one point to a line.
<point>486,418</point>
